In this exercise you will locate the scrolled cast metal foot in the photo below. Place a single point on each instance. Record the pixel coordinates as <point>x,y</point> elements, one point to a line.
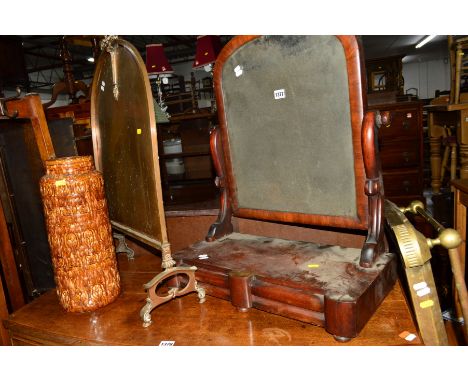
<point>122,246</point>
<point>145,313</point>
<point>201,293</point>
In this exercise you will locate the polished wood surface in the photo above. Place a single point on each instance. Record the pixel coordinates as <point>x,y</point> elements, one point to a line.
<point>374,245</point>
<point>186,230</point>
<point>223,225</point>
<point>185,321</point>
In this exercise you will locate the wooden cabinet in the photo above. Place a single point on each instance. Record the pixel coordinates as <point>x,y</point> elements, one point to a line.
<point>401,151</point>
<point>187,172</point>
<point>193,180</point>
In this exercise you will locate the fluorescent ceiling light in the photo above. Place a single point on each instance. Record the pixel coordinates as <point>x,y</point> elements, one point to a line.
<point>91,59</point>
<point>425,41</point>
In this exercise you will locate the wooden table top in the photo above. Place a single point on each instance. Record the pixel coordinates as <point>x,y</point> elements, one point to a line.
<point>185,321</point>
<point>447,107</point>
<point>461,184</point>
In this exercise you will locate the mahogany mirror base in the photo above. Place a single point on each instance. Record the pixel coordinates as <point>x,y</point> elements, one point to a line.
<point>317,284</point>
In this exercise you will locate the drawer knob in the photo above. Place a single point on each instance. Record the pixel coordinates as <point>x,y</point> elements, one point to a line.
<point>405,125</point>
<point>406,156</point>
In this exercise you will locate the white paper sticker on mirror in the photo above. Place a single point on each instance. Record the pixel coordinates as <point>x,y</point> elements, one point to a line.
<point>280,93</point>
<point>238,70</point>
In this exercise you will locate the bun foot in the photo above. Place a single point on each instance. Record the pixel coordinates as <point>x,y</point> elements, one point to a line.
<point>342,339</point>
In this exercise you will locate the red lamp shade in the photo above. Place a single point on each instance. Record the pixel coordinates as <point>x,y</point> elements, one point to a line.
<point>156,61</point>
<point>208,48</point>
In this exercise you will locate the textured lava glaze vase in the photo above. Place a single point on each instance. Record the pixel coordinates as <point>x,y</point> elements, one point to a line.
<point>80,236</point>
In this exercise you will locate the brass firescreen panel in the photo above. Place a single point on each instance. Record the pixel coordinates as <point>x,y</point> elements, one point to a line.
<point>287,108</point>
<point>125,143</point>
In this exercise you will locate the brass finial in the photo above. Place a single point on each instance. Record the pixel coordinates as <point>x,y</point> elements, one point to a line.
<point>413,207</point>
<point>448,238</point>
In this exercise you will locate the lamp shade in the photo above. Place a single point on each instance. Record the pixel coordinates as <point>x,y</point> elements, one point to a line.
<point>156,60</point>
<point>208,48</point>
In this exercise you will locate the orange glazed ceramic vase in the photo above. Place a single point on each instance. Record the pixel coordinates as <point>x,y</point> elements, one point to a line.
<point>80,235</point>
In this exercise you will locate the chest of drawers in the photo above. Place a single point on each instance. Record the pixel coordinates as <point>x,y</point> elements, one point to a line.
<point>401,151</point>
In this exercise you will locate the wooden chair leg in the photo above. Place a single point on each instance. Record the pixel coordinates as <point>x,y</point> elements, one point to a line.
<point>452,68</point>
<point>458,62</point>
<point>443,166</point>
<point>4,337</point>
<point>435,164</point>
<point>457,263</point>
<point>453,163</point>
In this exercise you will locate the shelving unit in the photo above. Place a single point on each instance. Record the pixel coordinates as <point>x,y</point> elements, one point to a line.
<point>192,125</point>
